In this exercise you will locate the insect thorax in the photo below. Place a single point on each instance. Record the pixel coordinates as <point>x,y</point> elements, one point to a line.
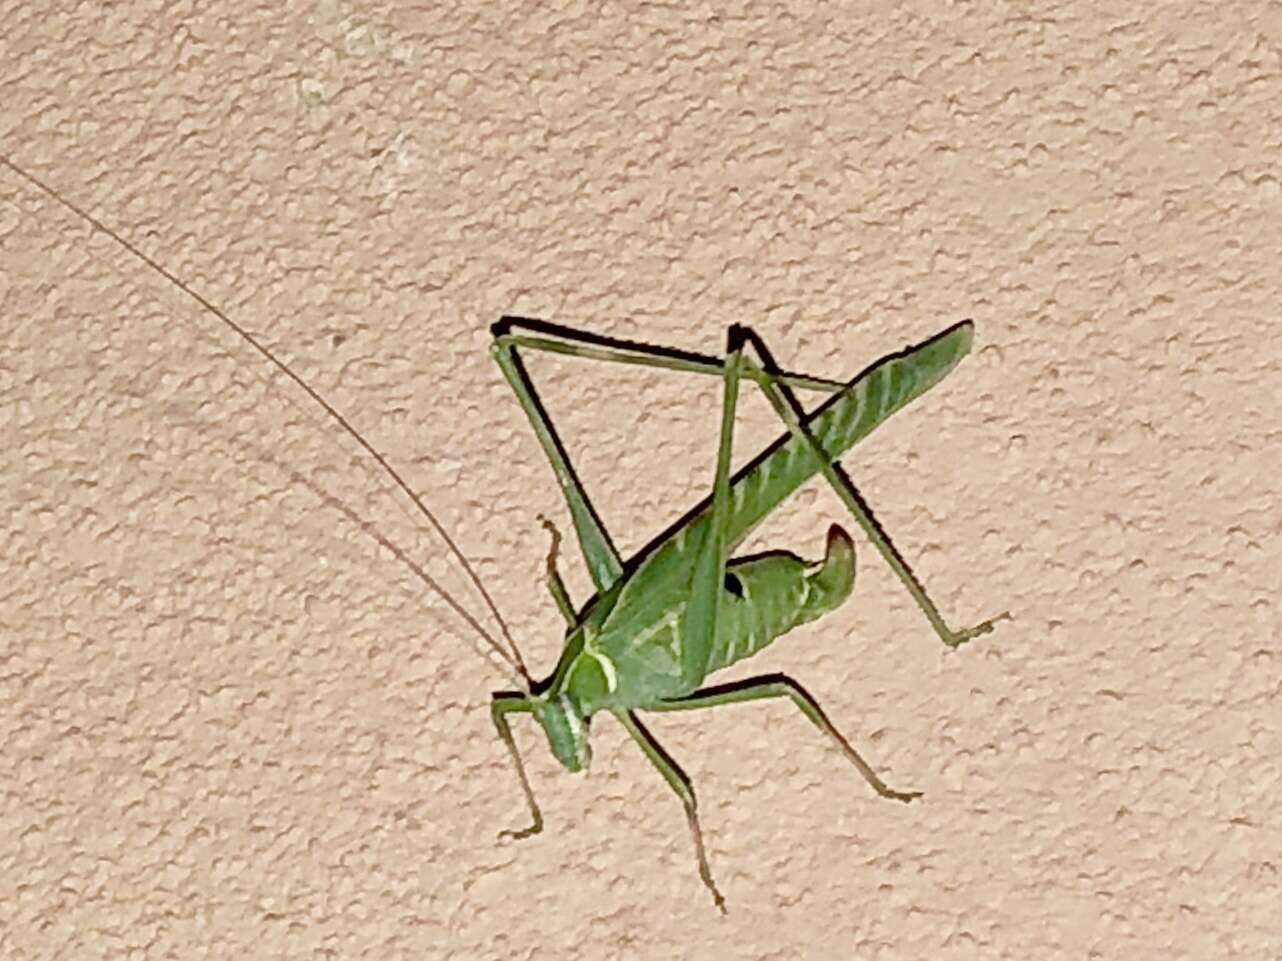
<point>634,653</point>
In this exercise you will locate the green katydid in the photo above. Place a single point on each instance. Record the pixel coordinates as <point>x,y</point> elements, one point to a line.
<point>659,624</point>
<point>662,621</point>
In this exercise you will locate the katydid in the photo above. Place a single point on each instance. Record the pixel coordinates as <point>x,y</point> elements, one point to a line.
<point>663,621</point>
<point>683,607</point>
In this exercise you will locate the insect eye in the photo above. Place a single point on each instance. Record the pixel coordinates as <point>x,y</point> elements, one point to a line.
<point>734,585</point>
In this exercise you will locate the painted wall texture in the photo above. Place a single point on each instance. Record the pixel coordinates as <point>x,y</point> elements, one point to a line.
<point>232,725</point>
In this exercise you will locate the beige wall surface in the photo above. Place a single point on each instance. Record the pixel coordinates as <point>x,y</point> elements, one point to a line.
<point>232,725</point>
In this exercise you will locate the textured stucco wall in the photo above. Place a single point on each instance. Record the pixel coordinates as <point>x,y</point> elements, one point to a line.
<point>232,726</point>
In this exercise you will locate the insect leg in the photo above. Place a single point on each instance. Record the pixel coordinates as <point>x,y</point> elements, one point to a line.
<point>555,585</point>
<point>602,559</point>
<point>679,783</point>
<point>706,589</point>
<point>500,707</point>
<point>785,406</point>
<point>556,339</point>
<point>780,685</point>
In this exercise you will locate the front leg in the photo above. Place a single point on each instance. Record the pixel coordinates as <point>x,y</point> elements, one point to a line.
<point>501,706</point>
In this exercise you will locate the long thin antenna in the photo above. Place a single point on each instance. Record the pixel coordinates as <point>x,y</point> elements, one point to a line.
<point>513,658</point>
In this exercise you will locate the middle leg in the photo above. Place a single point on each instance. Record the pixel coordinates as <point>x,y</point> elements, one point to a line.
<point>780,685</point>
<point>680,783</point>
<point>556,586</point>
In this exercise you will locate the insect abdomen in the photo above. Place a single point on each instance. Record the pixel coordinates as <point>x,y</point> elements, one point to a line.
<point>769,595</point>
